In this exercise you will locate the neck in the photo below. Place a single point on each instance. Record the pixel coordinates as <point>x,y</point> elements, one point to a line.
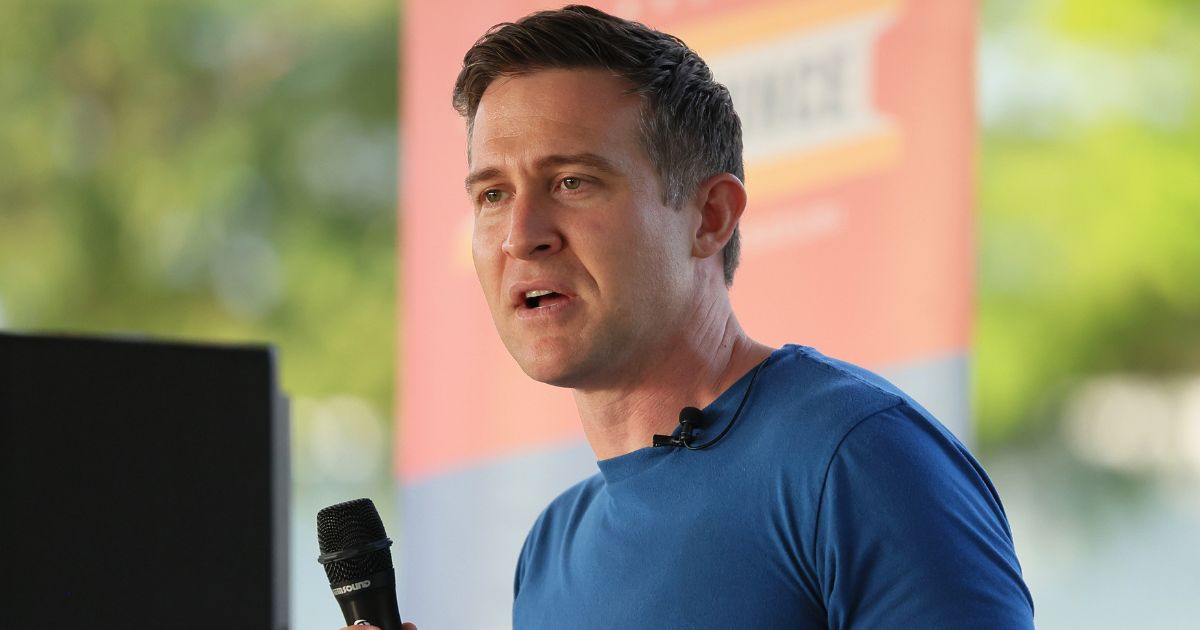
<point>690,370</point>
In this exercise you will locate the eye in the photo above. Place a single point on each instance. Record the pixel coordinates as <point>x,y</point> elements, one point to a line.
<point>493,196</point>
<point>571,183</point>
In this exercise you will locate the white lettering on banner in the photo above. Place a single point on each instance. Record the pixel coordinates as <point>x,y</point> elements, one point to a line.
<point>809,89</point>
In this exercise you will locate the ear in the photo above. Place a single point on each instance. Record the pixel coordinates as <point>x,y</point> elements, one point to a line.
<point>720,200</point>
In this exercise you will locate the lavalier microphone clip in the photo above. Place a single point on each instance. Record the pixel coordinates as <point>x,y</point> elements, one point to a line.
<point>689,418</point>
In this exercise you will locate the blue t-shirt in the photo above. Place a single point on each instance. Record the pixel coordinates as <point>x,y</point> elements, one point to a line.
<point>834,501</point>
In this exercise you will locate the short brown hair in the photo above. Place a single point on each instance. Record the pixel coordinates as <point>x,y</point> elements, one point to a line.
<point>688,125</point>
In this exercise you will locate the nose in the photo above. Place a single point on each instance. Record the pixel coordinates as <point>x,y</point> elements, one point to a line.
<point>532,229</point>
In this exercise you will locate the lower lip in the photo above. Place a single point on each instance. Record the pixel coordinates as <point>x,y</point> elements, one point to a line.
<point>558,308</point>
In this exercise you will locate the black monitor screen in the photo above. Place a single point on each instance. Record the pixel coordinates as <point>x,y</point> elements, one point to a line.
<point>143,484</point>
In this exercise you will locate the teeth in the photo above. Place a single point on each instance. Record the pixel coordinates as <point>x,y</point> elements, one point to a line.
<point>536,294</point>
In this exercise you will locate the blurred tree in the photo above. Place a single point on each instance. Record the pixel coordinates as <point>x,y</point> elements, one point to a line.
<point>1089,200</point>
<point>205,169</point>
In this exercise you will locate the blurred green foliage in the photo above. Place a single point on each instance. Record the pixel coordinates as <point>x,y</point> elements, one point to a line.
<point>1089,201</point>
<point>205,169</point>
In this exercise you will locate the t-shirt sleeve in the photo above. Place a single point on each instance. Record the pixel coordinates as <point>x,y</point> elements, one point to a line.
<point>911,534</point>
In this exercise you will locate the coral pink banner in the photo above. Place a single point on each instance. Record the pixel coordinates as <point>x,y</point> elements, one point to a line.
<point>859,123</point>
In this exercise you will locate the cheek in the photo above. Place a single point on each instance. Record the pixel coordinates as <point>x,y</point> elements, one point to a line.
<point>662,251</point>
<point>486,254</point>
<point>658,235</point>
<point>627,261</point>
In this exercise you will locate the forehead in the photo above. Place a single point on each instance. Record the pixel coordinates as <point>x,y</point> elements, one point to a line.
<point>556,111</point>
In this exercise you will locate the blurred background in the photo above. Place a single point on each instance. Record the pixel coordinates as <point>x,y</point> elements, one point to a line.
<point>208,169</point>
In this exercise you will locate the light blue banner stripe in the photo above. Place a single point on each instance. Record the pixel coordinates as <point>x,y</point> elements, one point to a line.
<point>463,531</point>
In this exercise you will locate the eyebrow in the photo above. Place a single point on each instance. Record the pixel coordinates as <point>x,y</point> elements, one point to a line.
<point>583,159</point>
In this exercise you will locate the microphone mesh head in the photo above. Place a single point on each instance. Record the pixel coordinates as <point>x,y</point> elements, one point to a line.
<point>347,526</point>
<point>692,415</point>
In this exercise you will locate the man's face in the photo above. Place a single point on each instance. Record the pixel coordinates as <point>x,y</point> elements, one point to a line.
<point>585,270</point>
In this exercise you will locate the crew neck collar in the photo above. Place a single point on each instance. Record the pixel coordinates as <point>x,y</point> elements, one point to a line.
<point>717,416</point>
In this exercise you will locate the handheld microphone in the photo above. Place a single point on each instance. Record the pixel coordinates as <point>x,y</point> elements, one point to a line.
<point>354,552</point>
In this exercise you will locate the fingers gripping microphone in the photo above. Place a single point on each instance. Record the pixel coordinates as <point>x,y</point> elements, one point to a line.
<point>354,552</point>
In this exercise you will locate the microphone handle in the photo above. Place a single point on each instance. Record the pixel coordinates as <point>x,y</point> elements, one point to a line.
<point>372,600</point>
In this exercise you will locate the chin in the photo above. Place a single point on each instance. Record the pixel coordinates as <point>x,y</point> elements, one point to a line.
<point>562,360</point>
<point>550,373</point>
<point>550,366</point>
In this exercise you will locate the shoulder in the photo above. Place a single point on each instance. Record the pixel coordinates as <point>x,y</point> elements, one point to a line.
<point>915,532</point>
<point>867,417</point>
<point>806,379</point>
<point>813,378</point>
<point>907,530</point>
<point>564,509</point>
<point>555,521</point>
<point>902,451</point>
<point>818,423</point>
<point>816,401</point>
<point>864,429</point>
<point>855,439</point>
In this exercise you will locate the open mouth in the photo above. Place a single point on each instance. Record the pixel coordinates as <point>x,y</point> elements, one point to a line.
<point>542,299</point>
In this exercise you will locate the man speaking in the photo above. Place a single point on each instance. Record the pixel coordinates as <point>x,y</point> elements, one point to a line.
<point>605,169</point>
